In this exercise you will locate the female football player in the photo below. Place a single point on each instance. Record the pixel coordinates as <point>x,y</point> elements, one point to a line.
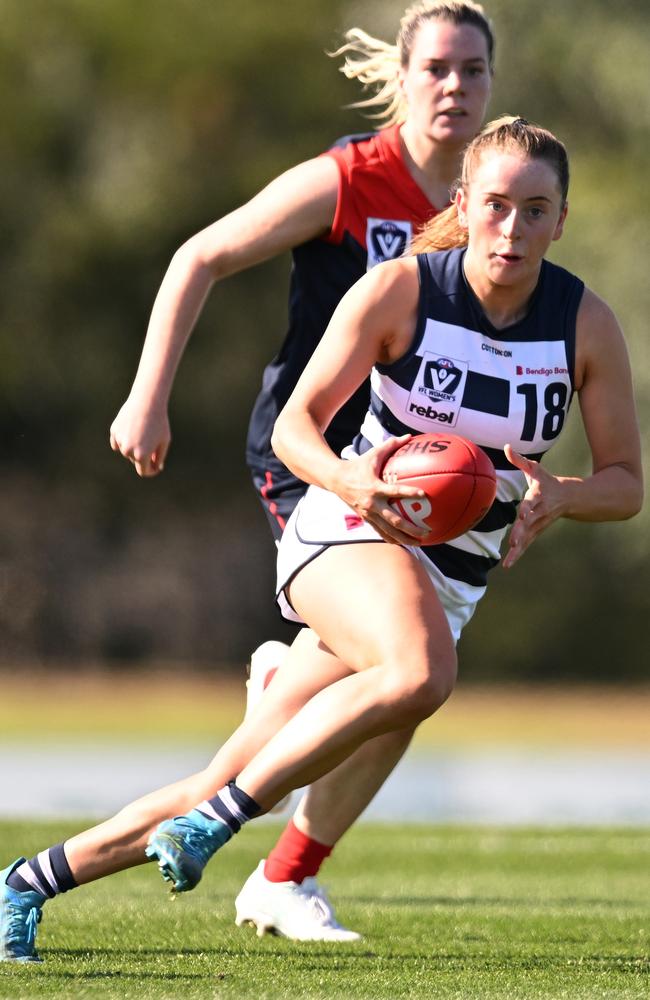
<point>385,608</point>
<point>341,213</point>
<point>520,337</point>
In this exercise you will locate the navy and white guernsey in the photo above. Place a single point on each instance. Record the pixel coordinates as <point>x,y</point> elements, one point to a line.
<point>495,387</point>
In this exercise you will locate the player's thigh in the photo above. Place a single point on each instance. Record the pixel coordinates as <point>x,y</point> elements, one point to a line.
<point>308,667</point>
<point>373,603</point>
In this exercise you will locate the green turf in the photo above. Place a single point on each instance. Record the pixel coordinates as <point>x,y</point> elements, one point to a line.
<point>463,912</point>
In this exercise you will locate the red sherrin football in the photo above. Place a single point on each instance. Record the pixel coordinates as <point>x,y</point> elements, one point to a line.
<point>457,477</point>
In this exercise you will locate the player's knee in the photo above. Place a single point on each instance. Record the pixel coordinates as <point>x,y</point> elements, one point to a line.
<point>430,695</point>
<point>420,688</point>
<point>443,680</point>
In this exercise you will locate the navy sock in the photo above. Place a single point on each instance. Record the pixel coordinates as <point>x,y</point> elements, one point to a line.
<point>48,873</point>
<point>231,806</point>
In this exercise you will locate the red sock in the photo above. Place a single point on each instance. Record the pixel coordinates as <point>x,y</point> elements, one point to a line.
<point>295,856</point>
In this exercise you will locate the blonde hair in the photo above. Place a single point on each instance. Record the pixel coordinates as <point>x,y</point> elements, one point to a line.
<point>376,64</point>
<point>444,231</point>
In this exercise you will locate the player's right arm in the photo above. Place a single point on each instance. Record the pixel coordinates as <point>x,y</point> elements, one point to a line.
<point>297,206</point>
<point>374,321</point>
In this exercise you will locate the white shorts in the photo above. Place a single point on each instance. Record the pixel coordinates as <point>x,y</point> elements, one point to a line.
<point>322,519</point>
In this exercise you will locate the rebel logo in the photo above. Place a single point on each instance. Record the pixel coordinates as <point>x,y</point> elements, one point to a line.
<point>429,413</point>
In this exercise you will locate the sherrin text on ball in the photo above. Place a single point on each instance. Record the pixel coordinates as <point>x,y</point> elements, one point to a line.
<point>458,480</point>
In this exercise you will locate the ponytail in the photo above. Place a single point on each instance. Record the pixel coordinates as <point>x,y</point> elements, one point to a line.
<point>442,232</point>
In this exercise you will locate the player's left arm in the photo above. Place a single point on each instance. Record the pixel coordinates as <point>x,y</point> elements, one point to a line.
<point>614,490</point>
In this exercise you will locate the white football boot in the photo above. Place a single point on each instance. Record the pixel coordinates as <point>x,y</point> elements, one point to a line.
<point>297,910</point>
<point>266,659</point>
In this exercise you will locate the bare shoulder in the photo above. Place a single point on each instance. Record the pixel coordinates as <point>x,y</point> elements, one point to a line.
<point>388,297</point>
<point>297,206</point>
<point>594,312</point>
<point>312,185</point>
<point>393,277</point>
<point>599,338</point>
<point>390,288</point>
<point>320,172</point>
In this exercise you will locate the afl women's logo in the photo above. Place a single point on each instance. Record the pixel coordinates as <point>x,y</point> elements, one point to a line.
<point>386,239</point>
<point>438,389</point>
<point>441,378</point>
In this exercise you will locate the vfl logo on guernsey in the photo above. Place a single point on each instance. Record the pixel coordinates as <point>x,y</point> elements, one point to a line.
<point>386,239</point>
<point>438,389</point>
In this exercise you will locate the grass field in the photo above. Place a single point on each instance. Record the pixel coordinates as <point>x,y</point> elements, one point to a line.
<point>445,912</point>
<point>472,913</point>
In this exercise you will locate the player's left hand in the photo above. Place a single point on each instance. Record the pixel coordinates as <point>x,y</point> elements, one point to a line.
<point>542,504</point>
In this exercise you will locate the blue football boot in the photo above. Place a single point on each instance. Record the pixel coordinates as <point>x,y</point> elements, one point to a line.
<point>184,845</point>
<point>20,914</point>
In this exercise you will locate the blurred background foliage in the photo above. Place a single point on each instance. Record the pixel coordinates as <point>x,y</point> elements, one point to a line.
<point>126,128</point>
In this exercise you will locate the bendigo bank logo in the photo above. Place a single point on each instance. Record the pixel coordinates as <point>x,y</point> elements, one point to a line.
<point>386,239</point>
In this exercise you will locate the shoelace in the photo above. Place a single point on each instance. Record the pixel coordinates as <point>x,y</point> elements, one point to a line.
<point>21,929</point>
<point>33,920</point>
<point>318,902</point>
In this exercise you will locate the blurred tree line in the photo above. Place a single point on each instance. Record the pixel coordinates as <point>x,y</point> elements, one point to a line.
<point>128,127</point>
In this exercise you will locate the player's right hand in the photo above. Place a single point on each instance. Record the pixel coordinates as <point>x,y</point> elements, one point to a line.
<point>142,437</point>
<point>363,489</point>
